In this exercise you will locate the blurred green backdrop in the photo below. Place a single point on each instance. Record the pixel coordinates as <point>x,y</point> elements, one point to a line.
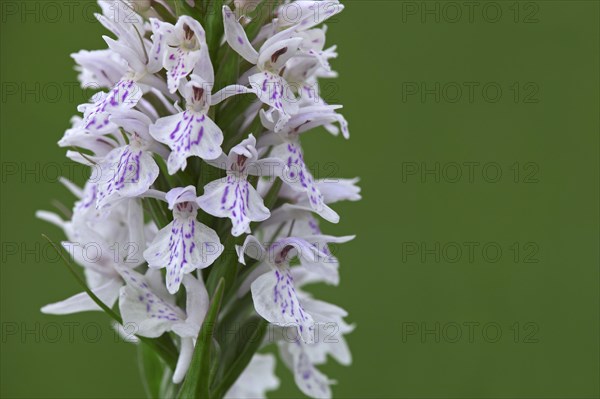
<point>475,133</point>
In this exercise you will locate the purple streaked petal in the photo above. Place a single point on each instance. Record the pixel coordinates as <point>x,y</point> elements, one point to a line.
<point>235,198</point>
<point>182,246</point>
<point>188,134</point>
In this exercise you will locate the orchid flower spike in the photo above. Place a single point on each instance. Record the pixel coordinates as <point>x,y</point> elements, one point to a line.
<point>200,205</point>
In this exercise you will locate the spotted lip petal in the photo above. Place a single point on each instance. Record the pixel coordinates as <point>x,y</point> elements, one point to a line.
<point>152,314</point>
<point>182,246</point>
<point>78,136</point>
<point>179,63</point>
<point>146,304</point>
<point>308,378</point>
<point>339,190</point>
<point>329,317</point>
<point>127,171</point>
<point>274,91</point>
<point>275,300</point>
<point>315,113</point>
<point>124,95</point>
<point>280,252</point>
<point>299,178</point>
<point>188,133</point>
<point>234,197</point>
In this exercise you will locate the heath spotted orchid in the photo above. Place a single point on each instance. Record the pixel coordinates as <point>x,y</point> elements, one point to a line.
<point>202,211</point>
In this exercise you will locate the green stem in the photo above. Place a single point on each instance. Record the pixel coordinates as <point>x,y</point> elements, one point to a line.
<point>197,381</point>
<point>243,357</point>
<point>157,212</point>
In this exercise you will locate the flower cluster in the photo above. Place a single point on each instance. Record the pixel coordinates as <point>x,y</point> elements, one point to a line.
<point>201,212</point>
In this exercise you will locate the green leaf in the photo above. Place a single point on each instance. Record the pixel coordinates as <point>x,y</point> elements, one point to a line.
<point>157,212</point>
<point>168,390</point>
<point>165,347</point>
<point>273,193</point>
<point>245,352</point>
<point>158,105</point>
<point>234,313</point>
<point>197,381</point>
<point>229,69</point>
<point>226,266</point>
<point>164,13</point>
<point>151,370</point>
<point>215,359</point>
<point>214,26</point>
<point>181,7</point>
<point>261,15</point>
<point>165,181</point>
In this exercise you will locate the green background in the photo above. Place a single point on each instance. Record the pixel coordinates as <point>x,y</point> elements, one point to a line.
<point>550,49</point>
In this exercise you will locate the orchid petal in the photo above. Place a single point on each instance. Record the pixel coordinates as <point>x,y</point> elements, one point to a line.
<point>150,313</point>
<point>300,179</point>
<point>182,246</point>
<point>237,38</point>
<point>229,91</point>
<point>308,378</point>
<point>180,60</point>
<point>277,54</point>
<point>275,300</point>
<point>256,379</point>
<point>187,134</point>
<point>234,197</point>
<point>126,172</point>
<point>339,190</point>
<point>179,195</point>
<point>124,95</point>
<point>179,63</point>
<point>274,91</point>
<point>99,68</point>
<point>186,353</point>
<point>160,31</point>
<point>107,293</point>
<point>251,247</point>
<point>309,13</point>
<point>203,67</point>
